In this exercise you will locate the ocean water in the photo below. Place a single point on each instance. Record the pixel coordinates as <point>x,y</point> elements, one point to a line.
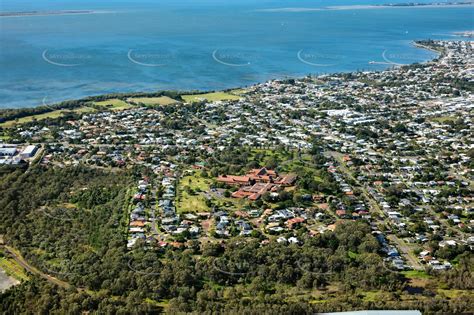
<point>202,44</point>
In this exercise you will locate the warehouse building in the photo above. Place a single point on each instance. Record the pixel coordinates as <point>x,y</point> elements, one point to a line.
<point>7,151</point>
<point>28,152</point>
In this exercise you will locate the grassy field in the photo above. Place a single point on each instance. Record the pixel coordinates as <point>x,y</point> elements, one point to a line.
<point>416,274</point>
<point>52,114</point>
<point>189,197</point>
<point>455,293</point>
<point>288,163</point>
<point>85,109</point>
<point>444,119</point>
<point>193,191</point>
<point>13,269</point>
<point>371,296</point>
<point>114,104</point>
<point>191,203</point>
<point>153,101</point>
<point>233,203</point>
<point>216,96</point>
<point>238,91</point>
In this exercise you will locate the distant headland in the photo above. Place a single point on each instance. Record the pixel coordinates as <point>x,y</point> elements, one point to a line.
<point>374,6</point>
<point>44,13</point>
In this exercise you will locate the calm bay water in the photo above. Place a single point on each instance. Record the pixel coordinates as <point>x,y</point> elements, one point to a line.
<point>202,44</point>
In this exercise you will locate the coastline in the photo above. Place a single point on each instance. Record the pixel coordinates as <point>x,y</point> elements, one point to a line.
<point>422,46</point>
<point>81,101</point>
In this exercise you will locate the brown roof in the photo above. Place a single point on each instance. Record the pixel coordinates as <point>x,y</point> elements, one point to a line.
<point>233,179</point>
<point>241,214</point>
<point>137,223</point>
<point>323,206</point>
<point>294,221</point>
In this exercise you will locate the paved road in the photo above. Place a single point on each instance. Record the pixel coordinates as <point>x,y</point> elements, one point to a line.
<point>400,244</point>
<point>405,249</point>
<point>154,212</point>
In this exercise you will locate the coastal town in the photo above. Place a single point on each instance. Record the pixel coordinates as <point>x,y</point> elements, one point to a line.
<point>287,158</point>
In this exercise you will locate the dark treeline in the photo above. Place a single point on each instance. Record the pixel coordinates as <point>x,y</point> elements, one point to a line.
<point>16,113</point>
<point>71,223</point>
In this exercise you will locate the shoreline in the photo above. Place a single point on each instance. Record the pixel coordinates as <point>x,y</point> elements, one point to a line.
<point>88,98</point>
<point>421,46</point>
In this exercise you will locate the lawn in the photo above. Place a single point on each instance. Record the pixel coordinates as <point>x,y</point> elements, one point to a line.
<point>153,101</point>
<point>190,198</point>
<point>191,203</point>
<point>195,181</point>
<point>216,96</point>
<point>287,163</point>
<point>52,114</point>
<point>416,274</point>
<point>238,91</point>
<point>444,119</point>
<point>85,109</point>
<point>114,104</point>
<point>233,203</point>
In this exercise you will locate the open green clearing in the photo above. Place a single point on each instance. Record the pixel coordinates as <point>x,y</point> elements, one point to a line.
<point>51,115</point>
<point>84,109</point>
<point>153,101</point>
<point>416,274</point>
<point>444,119</point>
<point>287,162</point>
<point>194,190</point>
<point>114,104</point>
<point>190,198</point>
<point>238,91</point>
<point>215,96</point>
